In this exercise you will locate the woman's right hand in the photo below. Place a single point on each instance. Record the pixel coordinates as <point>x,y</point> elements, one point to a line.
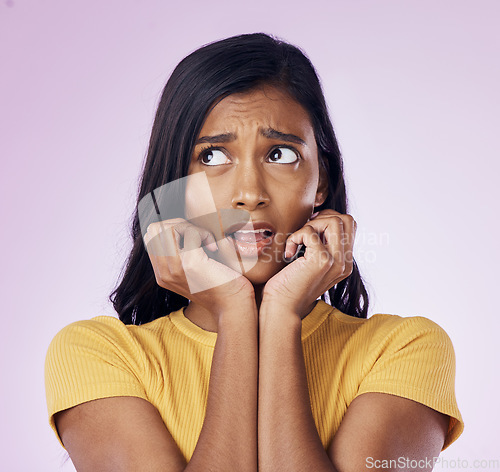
<point>181,265</point>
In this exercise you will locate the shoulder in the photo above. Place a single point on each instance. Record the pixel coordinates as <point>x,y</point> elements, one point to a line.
<point>99,358</point>
<point>410,357</point>
<point>105,332</point>
<point>414,358</point>
<point>379,333</point>
<point>401,347</point>
<point>99,327</point>
<point>101,350</point>
<point>384,331</point>
<point>88,349</point>
<point>388,342</point>
<point>104,344</point>
<point>84,334</point>
<point>415,335</point>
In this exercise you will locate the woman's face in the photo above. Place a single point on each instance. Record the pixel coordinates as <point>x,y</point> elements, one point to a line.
<point>260,159</point>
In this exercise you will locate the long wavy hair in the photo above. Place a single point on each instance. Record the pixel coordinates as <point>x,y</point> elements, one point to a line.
<point>233,65</point>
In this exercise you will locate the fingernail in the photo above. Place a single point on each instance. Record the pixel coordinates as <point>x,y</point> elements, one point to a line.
<point>314,215</point>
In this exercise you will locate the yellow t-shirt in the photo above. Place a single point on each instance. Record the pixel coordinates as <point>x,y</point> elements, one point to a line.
<point>167,362</point>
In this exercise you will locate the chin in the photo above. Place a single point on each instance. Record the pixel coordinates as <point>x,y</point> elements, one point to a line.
<point>258,270</point>
<point>262,272</point>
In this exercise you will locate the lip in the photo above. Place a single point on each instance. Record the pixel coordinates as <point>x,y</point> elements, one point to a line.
<point>250,225</point>
<point>253,249</point>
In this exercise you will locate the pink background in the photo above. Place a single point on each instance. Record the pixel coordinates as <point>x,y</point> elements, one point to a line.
<point>413,91</point>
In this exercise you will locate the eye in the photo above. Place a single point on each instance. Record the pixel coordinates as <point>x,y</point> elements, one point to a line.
<point>283,155</point>
<point>212,157</point>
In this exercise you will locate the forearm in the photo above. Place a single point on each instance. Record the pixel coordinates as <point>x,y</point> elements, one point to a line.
<point>287,436</point>
<point>228,439</point>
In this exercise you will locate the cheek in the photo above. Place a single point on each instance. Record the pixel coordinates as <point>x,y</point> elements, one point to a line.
<point>297,206</point>
<point>199,199</point>
<point>299,197</point>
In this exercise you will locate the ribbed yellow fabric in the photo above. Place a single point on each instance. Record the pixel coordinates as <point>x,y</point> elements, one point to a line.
<point>168,361</point>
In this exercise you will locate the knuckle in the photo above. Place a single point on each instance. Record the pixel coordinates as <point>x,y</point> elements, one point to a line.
<point>330,261</point>
<point>338,264</point>
<point>160,279</point>
<point>178,228</point>
<point>327,260</point>
<point>328,211</point>
<point>349,260</point>
<point>177,271</point>
<point>174,221</point>
<point>152,228</point>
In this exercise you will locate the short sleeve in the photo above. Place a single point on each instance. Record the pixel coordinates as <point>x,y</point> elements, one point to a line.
<point>416,360</point>
<point>88,360</point>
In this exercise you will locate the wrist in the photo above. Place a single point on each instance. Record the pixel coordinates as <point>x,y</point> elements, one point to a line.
<point>229,301</point>
<point>280,305</point>
<point>277,316</point>
<point>243,313</point>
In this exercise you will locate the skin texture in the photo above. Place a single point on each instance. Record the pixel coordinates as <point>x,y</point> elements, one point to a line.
<point>258,413</point>
<point>242,175</point>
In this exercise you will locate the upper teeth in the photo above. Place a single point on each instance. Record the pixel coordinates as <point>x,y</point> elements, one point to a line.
<point>252,231</point>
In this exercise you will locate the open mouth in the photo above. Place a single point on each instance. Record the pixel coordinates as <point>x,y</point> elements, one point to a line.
<point>251,236</point>
<point>251,243</point>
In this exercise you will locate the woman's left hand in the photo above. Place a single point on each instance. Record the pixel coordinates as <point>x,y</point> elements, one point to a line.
<point>328,259</point>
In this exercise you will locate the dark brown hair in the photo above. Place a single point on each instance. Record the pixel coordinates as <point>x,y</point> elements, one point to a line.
<point>232,65</point>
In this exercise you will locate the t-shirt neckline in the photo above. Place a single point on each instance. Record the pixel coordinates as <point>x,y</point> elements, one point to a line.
<point>310,323</point>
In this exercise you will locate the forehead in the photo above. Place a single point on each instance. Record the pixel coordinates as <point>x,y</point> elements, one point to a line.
<point>265,106</point>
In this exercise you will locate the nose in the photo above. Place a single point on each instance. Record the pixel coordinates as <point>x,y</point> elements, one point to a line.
<point>249,191</point>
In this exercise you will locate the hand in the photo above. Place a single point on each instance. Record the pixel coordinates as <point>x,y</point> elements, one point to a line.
<point>328,259</point>
<point>189,271</point>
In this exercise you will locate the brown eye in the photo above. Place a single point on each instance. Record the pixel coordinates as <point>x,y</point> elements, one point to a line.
<point>283,155</point>
<point>213,157</point>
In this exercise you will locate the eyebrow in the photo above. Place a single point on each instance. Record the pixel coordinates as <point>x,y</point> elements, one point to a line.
<point>269,133</point>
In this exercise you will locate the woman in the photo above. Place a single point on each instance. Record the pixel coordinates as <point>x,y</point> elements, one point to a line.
<point>241,226</point>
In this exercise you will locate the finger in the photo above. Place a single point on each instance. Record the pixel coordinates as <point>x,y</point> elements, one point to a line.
<point>156,227</point>
<point>332,230</point>
<point>296,255</point>
<point>329,213</point>
<point>159,240</point>
<point>340,241</point>
<point>350,235</point>
<point>332,233</point>
<point>349,228</point>
<point>324,214</point>
<point>208,240</point>
<point>192,239</point>
<point>329,250</point>
<point>308,237</point>
<point>163,251</point>
<point>335,241</point>
<point>296,239</point>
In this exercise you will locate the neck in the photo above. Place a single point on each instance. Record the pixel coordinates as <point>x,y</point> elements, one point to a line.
<point>201,317</point>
